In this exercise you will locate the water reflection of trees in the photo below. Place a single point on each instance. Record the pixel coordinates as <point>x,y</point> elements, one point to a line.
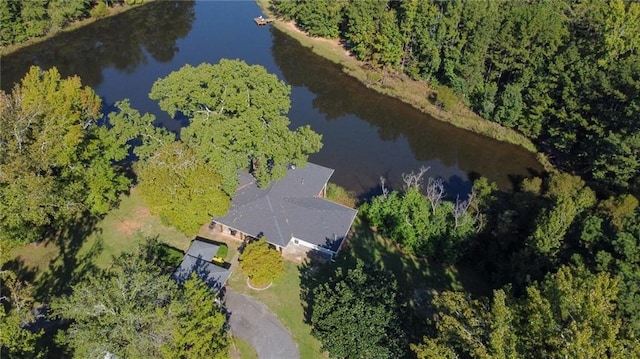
<point>339,95</point>
<point>122,41</point>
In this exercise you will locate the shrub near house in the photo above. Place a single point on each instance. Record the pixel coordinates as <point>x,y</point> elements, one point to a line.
<point>260,263</point>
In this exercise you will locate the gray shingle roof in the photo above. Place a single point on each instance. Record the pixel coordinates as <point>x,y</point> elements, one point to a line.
<point>290,208</point>
<point>198,259</point>
<point>202,247</point>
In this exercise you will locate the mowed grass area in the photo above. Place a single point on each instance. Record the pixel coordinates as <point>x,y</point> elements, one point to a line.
<point>124,228</point>
<point>59,262</point>
<point>241,349</point>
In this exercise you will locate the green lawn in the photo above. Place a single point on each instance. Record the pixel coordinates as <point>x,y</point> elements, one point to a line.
<point>244,349</point>
<point>55,264</point>
<point>123,229</point>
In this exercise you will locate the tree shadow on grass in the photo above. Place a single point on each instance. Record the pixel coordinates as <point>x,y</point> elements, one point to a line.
<point>70,266</point>
<point>22,271</point>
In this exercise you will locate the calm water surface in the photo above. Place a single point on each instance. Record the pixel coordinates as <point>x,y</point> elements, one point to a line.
<point>365,135</point>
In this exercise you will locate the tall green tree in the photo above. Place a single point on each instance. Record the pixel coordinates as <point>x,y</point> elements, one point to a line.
<point>124,312</point>
<point>135,310</point>
<point>569,314</point>
<point>475,328</point>
<point>35,19</point>
<point>61,12</point>
<point>362,19</point>
<point>425,227</point>
<point>425,48</point>
<point>320,17</point>
<point>238,119</point>
<point>53,161</point>
<point>200,330</point>
<point>16,312</point>
<point>182,189</point>
<point>355,314</point>
<point>570,197</point>
<point>58,159</point>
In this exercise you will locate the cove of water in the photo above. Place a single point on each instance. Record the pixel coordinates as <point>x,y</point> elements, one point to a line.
<point>366,135</point>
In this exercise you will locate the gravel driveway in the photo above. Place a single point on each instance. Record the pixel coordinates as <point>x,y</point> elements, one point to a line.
<point>252,321</point>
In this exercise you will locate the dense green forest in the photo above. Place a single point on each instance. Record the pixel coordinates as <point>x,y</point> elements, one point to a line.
<point>561,256</point>
<point>564,73</point>
<point>564,267</point>
<point>22,20</point>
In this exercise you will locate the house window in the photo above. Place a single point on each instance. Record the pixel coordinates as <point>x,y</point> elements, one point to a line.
<point>295,241</point>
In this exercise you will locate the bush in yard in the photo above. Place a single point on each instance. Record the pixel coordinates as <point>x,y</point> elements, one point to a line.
<point>260,263</point>
<point>223,250</point>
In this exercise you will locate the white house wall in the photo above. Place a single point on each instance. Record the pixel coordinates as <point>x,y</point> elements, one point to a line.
<point>300,242</point>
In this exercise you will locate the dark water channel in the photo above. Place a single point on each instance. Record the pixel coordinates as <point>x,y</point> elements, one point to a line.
<point>365,135</point>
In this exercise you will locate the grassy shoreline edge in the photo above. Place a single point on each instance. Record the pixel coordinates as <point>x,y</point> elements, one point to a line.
<point>412,92</point>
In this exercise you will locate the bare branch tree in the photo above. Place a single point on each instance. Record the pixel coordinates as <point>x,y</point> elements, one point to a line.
<point>414,180</point>
<point>434,192</point>
<point>461,208</point>
<point>478,217</point>
<point>385,190</point>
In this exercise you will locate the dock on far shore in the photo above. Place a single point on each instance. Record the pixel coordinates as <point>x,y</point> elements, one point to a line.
<point>262,21</point>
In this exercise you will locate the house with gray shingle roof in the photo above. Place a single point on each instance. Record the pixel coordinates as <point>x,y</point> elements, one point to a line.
<point>198,260</point>
<point>290,212</point>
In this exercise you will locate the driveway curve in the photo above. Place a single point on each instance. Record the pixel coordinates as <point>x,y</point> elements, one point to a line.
<point>252,321</point>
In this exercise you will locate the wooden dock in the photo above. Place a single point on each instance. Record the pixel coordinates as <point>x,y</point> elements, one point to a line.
<point>260,21</point>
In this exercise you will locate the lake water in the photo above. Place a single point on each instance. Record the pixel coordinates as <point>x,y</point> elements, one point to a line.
<point>365,135</point>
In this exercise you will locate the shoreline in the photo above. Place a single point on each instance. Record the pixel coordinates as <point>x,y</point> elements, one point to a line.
<point>113,11</point>
<point>415,93</point>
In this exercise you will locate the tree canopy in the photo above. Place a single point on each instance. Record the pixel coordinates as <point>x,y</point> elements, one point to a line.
<point>238,120</point>
<point>425,224</point>
<point>59,158</point>
<point>16,313</point>
<point>181,188</point>
<point>355,314</point>
<point>569,314</point>
<point>201,331</point>
<point>260,263</point>
<point>136,310</point>
<point>23,20</point>
<point>55,161</point>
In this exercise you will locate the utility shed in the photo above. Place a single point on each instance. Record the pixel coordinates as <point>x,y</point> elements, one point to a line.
<point>198,260</point>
